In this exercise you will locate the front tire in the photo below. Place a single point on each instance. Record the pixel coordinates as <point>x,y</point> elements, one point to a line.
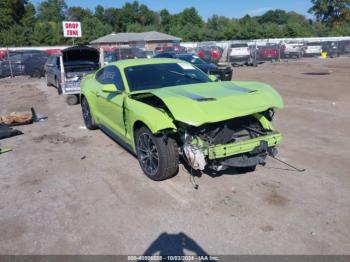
<point>158,156</point>
<point>88,119</point>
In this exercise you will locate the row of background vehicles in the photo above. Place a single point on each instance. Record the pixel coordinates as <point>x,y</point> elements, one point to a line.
<point>31,62</point>
<point>212,58</point>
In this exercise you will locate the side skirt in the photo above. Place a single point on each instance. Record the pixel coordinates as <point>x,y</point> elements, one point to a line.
<point>117,139</point>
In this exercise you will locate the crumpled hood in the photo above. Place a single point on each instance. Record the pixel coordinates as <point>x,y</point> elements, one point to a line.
<point>211,102</point>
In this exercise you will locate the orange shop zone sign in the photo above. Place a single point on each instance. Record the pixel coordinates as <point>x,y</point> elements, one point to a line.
<point>71,29</point>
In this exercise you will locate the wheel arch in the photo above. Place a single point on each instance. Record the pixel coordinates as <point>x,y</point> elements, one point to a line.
<point>154,130</point>
<point>82,96</point>
<point>141,114</point>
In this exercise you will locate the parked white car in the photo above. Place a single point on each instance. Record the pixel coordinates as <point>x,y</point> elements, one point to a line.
<point>293,49</point>
<point>239,53</point>
<point>313,49</point>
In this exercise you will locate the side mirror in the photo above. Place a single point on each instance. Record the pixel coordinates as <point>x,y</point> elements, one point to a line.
<point>110,88</point>
<point>213,78</point>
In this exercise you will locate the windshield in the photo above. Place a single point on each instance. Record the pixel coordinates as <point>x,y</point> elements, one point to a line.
<point>154,76</point>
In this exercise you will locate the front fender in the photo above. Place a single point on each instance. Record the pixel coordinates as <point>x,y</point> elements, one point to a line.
<point>155,119</point>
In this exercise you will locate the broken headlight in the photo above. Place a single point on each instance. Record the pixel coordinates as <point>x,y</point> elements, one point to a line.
<point>269,114</point>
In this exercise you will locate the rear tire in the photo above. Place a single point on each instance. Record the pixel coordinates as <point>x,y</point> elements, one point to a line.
<point>158,156</point>
<point>88,119</point>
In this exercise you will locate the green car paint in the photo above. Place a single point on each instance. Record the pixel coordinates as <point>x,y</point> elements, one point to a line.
<point>220,151</point>
<point>193,105</point>
<point>217,101</point>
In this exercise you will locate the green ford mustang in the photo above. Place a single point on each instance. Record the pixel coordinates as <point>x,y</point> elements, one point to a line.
<point>167,110</point>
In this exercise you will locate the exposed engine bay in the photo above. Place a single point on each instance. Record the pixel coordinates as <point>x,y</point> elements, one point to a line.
<point>199,140</point>
<point>230,131</point>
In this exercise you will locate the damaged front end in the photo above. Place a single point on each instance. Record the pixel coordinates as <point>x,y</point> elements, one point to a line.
<point>242,142</point>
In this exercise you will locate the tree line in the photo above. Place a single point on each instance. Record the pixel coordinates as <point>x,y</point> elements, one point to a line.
<point>23,24</point>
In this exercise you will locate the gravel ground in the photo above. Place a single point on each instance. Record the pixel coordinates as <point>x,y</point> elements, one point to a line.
<point>67,190</point>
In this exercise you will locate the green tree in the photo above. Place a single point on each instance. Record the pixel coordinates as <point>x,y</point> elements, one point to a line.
<point>320,29</point>
<point>28,19</point>
<point>274,16</point>
<point>165,20</point>
<point>93,28</point>
<point>76,13</point>
<point>221,28</point>
<point>189,16</point>
<point>52,10</point>
<point>332,12</point>
<point>17,35</point>
<point>249,28</point>
<point>111,16</point>
<point>11,12</point>
<point>99,11</point>
<point>146,17</point>
<point>43,34</point>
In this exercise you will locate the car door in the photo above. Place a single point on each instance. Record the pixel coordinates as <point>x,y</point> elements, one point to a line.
<point>110,104</point>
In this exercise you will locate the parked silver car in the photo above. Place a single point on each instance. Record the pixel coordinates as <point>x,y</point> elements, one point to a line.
<point>77,61</point>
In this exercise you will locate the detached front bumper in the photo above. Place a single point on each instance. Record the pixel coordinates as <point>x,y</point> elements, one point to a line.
<point>245,153</point>
<point>223,151</point>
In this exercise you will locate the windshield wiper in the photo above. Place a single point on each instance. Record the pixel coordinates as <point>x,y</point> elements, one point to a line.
<point>187,76</point>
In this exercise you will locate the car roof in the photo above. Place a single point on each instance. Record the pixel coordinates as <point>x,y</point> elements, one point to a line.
<point>145,61</point>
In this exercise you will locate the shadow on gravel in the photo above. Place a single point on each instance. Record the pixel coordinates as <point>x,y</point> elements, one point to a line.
<point>229,172</point>
<point>174,245</point>
<point>316,73</point>
<point>209,172</point>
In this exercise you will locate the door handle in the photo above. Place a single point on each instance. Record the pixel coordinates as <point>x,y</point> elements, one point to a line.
<point>98,94</point>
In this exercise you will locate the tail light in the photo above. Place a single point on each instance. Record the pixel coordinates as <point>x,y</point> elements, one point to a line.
<point>200,54</point>
<point>215,54</point>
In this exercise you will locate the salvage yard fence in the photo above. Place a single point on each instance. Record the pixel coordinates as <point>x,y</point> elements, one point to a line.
<point>341,45</point>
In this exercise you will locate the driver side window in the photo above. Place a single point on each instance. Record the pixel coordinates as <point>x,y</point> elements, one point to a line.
<point>110,75</point>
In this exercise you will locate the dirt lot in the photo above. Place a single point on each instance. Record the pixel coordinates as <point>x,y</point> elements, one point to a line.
<point>67,190</point>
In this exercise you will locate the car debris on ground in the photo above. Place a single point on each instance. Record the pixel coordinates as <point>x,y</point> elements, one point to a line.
<point>16,118</point>
<point>4,150</point>
<point>21,118</point>
<point>6,131</point>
